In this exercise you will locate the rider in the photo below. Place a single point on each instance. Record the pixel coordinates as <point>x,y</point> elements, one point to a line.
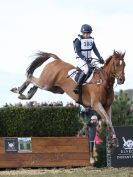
<point>83,46</point>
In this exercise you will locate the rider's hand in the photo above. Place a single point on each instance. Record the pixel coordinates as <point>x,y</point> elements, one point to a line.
<point>101,61</point>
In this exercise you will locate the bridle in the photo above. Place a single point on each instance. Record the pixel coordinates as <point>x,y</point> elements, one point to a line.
<point>114,73</point>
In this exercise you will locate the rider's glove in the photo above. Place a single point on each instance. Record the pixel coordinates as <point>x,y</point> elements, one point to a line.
<point>101,61</point>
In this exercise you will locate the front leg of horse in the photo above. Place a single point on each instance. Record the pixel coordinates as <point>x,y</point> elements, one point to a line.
<point>99,108</point>
<point>108,110</point>
<point>112,140</point>
<point>20,89</point>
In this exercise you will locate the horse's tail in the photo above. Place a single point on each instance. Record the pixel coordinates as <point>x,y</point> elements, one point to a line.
<point>42,57</point>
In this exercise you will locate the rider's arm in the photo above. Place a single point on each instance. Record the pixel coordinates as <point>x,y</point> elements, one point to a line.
<point>78,49</point>
<point>95,50</point>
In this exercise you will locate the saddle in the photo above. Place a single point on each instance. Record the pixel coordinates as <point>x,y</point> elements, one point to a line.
<point>74,74</point>
<point>87,75</point>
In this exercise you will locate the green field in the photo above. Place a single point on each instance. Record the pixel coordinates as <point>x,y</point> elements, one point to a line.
<point>74,172</point>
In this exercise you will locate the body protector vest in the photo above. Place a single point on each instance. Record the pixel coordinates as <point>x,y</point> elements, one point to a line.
<point>86,46</point>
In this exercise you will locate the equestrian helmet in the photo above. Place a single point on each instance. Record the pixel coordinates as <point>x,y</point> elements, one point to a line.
<point>86,28</point>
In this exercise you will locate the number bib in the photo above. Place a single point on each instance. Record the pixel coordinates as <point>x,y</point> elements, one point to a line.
<point>86,44</point>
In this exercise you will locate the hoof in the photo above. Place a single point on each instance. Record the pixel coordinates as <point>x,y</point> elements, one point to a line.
<point>22,97</point>
<point>14,90</point>
<point>115,142</point>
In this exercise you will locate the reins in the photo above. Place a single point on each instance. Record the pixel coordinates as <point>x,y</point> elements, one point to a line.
<point>91,65</point>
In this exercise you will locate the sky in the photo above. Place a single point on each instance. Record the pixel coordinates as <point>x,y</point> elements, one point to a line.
<point>27,26</point>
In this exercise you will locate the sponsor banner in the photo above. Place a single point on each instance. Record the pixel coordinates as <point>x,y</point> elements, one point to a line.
<point>11,144</point>
<point>122,156</point>
<point>21,144</point>
<point>24,145</point>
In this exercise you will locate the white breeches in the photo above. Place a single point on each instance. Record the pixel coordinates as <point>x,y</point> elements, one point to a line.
<point>82,65</point>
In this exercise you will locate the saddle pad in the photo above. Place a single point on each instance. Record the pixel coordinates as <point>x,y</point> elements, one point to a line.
<point>72,73</point>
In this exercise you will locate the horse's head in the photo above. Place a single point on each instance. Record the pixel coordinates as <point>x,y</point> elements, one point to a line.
<point>117,66</point>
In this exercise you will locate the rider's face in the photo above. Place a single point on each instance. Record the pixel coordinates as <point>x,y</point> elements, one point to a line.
<point>86,35</point>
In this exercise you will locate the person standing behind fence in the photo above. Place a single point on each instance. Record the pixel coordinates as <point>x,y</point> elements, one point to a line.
<point>92,124</point>
<point>97,139</point>
<point>92,120</point>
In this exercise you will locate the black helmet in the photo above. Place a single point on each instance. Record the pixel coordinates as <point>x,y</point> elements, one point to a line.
<point>86,28</point>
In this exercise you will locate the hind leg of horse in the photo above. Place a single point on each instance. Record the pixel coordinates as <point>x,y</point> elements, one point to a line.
<point>30,93</point>
<point>20,89</point>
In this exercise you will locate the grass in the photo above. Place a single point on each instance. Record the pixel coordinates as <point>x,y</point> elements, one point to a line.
<point>74,172</point>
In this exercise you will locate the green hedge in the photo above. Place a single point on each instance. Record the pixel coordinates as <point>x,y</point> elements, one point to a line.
<point>40,121</point>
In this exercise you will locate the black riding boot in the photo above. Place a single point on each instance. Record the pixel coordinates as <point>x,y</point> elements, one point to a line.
<point>79,83</point>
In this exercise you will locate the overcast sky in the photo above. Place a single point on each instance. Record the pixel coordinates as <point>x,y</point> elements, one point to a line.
<point>27,26</point>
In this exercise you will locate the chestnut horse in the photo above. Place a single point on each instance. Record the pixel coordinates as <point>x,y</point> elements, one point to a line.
<point>54,78</point>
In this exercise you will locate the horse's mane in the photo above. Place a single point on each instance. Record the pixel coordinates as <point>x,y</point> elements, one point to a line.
<point>108,60</point>
<point>117,55</point>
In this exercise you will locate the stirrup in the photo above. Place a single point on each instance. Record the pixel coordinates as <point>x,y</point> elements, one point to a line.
<point>77,89</point>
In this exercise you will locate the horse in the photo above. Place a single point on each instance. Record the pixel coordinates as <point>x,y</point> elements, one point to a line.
<point>55,78</point>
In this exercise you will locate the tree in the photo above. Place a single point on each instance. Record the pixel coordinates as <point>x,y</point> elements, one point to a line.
<point>121,114</point>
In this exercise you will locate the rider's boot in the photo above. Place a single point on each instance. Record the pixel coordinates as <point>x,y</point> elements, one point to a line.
<point>79,83</point>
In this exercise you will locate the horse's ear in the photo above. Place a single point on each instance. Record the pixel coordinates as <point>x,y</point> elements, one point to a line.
<point>114,52</point>
<point>123,54</point>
